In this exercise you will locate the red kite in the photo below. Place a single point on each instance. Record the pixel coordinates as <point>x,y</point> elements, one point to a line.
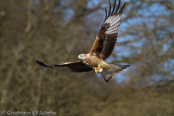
<point>101,49</point>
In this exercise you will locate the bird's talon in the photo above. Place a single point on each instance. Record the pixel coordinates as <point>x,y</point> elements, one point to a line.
<point>96,71</point>
<point>99,66</point>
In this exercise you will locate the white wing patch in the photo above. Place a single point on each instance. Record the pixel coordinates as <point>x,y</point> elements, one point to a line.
<point>66,62</point>
<point>114,22</point>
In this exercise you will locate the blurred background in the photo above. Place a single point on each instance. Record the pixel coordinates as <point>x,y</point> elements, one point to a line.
<point>57,31</point>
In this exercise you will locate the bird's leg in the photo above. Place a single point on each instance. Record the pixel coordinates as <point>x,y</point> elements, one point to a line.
<point>99,66</point>
<point>96,71</point>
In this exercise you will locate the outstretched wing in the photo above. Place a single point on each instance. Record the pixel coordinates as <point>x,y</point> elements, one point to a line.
<point>107,36</point>
<point>69,66</point>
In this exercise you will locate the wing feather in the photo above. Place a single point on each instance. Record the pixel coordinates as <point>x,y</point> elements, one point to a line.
<point>69,66</point>
<point>107,36</point>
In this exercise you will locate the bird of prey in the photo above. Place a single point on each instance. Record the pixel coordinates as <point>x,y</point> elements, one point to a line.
<point>102,48</point>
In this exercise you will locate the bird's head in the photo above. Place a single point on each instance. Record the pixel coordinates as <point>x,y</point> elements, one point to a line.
<point>82,56</point>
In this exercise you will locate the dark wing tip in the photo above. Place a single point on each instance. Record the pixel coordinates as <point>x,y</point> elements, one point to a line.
<point>41,63</point>
<point>115,9</point>
<point>121,10</point>
<point>123,66</point>
<point>106,14</point>
<point>126,66</point>
<point>115,4</point>
<point>109,8</point>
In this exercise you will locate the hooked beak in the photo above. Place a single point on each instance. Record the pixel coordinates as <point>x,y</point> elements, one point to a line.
<point>79,57</point>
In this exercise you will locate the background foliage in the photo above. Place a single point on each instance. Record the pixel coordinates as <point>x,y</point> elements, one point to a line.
<point>56,31</point>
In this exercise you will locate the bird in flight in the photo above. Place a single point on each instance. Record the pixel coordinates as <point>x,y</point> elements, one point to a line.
<point>102,48</point>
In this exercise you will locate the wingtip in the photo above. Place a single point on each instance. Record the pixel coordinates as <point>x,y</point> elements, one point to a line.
<point>37,61</point>
<point>41,63</point>
<point>127,65</point>
<point>116,9</point>
<point>109,7</point>
<point>122,8</point>
<point>124,66</point>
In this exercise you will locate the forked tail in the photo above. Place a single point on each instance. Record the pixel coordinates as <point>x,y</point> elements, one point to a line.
<point>114,69</point>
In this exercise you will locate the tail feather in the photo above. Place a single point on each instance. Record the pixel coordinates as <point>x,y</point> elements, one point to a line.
<point>114,69</point>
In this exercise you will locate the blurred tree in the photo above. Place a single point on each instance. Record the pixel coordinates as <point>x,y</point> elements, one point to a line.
<point>150,33</point>
<point>42,29</point>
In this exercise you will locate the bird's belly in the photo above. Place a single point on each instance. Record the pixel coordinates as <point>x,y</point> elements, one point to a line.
<point>93,61</point>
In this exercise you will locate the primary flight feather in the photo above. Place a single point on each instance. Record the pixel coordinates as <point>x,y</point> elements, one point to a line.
<point>102,48</point>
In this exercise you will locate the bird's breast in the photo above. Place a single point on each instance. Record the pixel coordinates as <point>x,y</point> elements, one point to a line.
<point>93,61</point>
